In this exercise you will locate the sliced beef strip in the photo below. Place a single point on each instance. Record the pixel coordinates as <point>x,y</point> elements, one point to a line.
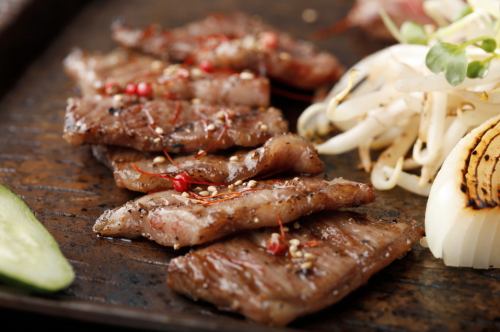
<point>239,42</point>
<point>178,126</point>
<point>174,219</point>
<point>336,253</point>
<point>98,73</point>
<point>287,153</point>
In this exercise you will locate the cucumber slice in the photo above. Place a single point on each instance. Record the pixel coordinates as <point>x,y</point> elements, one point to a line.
<point>29,255</point>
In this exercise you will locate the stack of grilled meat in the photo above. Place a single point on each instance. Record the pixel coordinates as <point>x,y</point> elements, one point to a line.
<point>183,115</point>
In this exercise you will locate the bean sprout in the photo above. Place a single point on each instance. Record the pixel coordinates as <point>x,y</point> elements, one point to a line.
<point>390,100</point>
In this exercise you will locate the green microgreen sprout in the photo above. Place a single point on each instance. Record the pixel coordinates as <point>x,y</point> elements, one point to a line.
<point>451,59</point>
<point>448,58</point>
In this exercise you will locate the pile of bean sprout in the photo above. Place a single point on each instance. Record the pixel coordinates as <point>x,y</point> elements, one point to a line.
<point>392,101</point>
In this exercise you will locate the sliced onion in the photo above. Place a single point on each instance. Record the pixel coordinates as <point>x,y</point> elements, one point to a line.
<point>462,220</point>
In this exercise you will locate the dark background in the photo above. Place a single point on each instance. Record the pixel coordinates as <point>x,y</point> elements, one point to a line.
<point>122,283</point>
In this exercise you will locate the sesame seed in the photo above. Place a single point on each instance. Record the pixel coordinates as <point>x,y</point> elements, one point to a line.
<point>249,42</point>
<point>198,189</point>
<point>275,237</point>
<point>170,70</point>
<point>285,56</point>
<point>196,72</point>
<point>220,115</point>
<point>296,178</point>
<point>294,242</point>
<point>118,98</point>
<point>237,183</point>
<point>177,246</point>
<point>159,130</point>
<point>204,193</point>
<point>157,140</point>
<point>215,192</point>
<point>201,153</point>
<point>309,15</point>
<point>98,85</point>
<point>309,256</point>
<point>159,160</point>
<point>230,187</point>
<point>185,194</point>
<point>255,220</point>
<point>286,229</point>
<point>196,101</point>
<point>296,253</point>
<point>246,75</point>
<point>211,188</point>
<point>233,158</point>
<point>423,242</point>
<point>306,265</point>
<point>156,65</point>
<point>263,127</point>
<point>252,183</point>
<point>296,225</point>
<point>211,127</point>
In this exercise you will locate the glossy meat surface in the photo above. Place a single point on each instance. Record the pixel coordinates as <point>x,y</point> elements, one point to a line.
<point>281,154</point>
<point>171,219</point>
<point>239,42</point>
<point>178,126</point>
<point>94,72</point>
<point>336,253</point>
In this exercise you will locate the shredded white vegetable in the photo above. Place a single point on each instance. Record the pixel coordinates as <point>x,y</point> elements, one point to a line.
<point>392,101</point>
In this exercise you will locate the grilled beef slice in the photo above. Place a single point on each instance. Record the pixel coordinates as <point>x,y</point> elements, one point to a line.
<point>178,126</point>
<point>335,253</point>
<point>174,219</point>
<point>280,154</point>
<point>110,73</point>
<point>239,42</point>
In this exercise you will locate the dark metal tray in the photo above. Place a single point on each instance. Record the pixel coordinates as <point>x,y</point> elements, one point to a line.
<point>123,283</point>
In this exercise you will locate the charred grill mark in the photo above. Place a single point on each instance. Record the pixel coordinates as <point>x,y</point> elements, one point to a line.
<point>136,125</point>
<point>219,274</point>
<point>470,185</point>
